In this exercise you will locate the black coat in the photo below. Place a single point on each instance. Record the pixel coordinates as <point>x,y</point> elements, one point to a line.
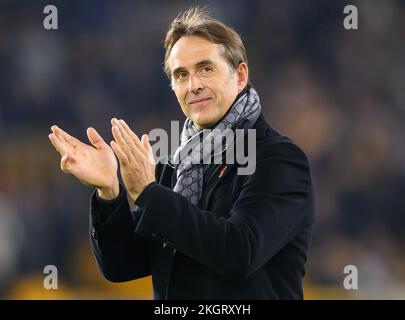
<point>247,239</point>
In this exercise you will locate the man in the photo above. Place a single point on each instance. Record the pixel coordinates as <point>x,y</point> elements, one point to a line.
<point>202,231</point>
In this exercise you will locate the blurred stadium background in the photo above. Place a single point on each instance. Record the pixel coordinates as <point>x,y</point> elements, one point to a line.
<point>339,94</point>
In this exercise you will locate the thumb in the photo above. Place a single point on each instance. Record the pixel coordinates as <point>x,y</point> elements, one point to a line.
<point>95,139</point>
<point>145,142</point>
<point>148,147</point>
<point>64,163</point>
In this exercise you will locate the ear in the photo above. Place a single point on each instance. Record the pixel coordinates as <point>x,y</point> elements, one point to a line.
<point>242,73</point>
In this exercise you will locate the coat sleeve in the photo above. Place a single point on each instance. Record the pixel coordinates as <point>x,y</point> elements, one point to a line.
<point>274,204</point>
<point>120,253</point>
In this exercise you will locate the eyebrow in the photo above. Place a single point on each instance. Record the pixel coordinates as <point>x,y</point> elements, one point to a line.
<point>199,64</point>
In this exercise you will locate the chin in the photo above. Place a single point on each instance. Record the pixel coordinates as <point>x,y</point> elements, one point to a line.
<point>202,123</point>
<point>208,120</point>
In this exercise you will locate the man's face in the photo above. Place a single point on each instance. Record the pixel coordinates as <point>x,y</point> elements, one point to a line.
<point>203,81</point>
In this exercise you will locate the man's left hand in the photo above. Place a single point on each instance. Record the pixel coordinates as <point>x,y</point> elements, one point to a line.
<point>137,165</point>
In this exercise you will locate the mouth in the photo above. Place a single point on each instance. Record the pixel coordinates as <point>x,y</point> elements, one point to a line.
<point>199,103</point>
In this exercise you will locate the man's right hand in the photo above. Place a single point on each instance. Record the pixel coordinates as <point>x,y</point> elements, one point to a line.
<point>94,165</point>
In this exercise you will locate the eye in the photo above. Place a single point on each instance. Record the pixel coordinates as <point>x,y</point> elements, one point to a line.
<point>206,69</point>
<point>181,75</point>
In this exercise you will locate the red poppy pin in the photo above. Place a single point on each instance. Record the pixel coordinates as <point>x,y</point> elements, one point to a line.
<point>221,172</point>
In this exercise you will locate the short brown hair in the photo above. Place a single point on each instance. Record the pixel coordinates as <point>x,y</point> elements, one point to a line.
<point>197,22</point>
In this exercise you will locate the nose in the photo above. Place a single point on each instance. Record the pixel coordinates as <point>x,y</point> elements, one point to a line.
<point>195,84</point>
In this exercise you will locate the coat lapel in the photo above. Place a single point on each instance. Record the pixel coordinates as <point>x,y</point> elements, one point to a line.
<point>216,176</point>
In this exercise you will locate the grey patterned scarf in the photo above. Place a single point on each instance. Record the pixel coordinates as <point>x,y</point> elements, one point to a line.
<point>204,142</point>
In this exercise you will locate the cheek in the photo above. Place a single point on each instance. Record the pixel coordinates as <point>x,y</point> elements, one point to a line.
<point>181,97</point>
<point>220,97</point>
<point>184,108</point>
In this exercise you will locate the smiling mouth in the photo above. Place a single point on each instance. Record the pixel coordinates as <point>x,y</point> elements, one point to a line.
<point>200,102</point>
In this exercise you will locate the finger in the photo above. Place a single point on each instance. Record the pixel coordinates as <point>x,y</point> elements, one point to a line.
<point>120,124</point>
<point>58,145</point>
<point>148,147</point>
<point>127,139</point>
<point>130,132</point>
<point>128,135</point>
<point>114,122</point>
<point>145,142</point>
<point>136,151</point>
<point>67,147</point>
<point>121,141</point>
<point>66,137</point>
<point>122,157</point>
<point>124,133</point>
<point>95,139</point>
<point>136,145</point>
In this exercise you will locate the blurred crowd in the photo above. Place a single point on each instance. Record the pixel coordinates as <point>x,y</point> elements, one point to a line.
<point>338,93</point>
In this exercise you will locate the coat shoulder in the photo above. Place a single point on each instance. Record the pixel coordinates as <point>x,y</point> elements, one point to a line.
<point>270,142</point>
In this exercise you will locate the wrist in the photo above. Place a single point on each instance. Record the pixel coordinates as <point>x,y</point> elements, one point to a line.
<point>109,193</point>
<point>135,195</point>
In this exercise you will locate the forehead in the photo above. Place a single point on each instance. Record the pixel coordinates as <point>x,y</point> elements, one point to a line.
<point>189,50</point>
